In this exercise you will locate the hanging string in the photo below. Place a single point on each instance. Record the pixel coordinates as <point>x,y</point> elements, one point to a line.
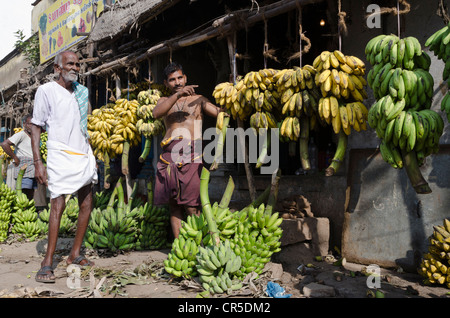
<point>342,27</point>
<point>267,53</point>
<point>398,18</point>
<point>149,73</point>
<point>443,12</point>
<point>307,47</point>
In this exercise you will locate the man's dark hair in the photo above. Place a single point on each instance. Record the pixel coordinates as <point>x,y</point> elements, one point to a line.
<point>172,67</point>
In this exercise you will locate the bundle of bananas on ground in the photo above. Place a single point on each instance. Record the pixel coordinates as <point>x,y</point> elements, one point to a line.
<point>24,218</point>
<point>435,264</point>
<point>342,84</point>
<point>438,42</point>
<point>111,229</point>
<point>181,260</point>
<point>43,146</point>
<point>216,266</point>
<point>408,129</point>
<point>153,227</point>
<point>100,126</point>
<point>101,199</point>
<point>7,201</point>
<point>68,221</point>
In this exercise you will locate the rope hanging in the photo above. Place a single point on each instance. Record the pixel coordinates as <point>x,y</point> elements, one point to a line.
<point>302,50</point>
<point>393,10</point>
<point>267,53</point>
<point>443,12</point>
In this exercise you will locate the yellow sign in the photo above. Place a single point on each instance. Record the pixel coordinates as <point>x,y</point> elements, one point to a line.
<point>61,23</point>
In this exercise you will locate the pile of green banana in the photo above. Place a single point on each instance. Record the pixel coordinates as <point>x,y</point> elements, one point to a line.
<point>112,229</point>
<point>68,221</point>
<point>216,266</point>
<point>181,260</point>
<point>43,146</point>
<point>101,198</point>
<point>146,125</point>
<point>7,198</point>
<point>435,264</point>
<point>401,116</point>
<point>24,218</point>
<point>152,227</point>
<point>252,234</point>
<point>438,43</point>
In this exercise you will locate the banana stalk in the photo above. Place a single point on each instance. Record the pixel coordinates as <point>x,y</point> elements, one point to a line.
<point>132,196</point>
<point>150,192</point>
<point>125,154</point>
<point>107,171</point>
<point>112,199</point>
<point>265,147</point>
<point>19,179</point>
<point>146,151</point>
<point>223,204</point>
<point>411,165</point>
<point>273,196</point>
<point>207,210</point>
<point>338,155</point>
<point>220,144</point>
<point>120,197</point>
<point>303,147</point>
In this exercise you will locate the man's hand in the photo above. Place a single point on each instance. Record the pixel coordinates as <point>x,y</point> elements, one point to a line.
<point>16,161</point>
<point>188,90</point>
<point>40,173</point>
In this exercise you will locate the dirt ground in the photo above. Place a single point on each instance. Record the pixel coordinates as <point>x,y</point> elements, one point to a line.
<point>140,274</point>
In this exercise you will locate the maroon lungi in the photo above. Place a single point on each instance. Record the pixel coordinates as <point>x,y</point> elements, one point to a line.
<point>178,172</point>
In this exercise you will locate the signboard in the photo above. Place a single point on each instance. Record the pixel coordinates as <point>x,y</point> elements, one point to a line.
<point>60,23</point>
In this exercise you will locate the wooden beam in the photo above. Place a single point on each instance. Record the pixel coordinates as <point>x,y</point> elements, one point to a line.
<point>220,27</point>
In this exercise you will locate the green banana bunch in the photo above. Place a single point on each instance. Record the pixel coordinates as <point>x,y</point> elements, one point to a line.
<point>216,267</point>
<point>101,199</point>
<point>435,264</point>
<point>181,260</point>
<point>438,43</point>
<point>5,217</point>
<point>24,217</point>
<point>153,227</point>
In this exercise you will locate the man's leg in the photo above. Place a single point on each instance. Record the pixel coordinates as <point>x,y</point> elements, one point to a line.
<point>57,207</point>
<point>85,209</point>
<point>176,215</point>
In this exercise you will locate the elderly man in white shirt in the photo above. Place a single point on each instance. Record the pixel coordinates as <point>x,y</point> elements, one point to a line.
<point>61,106</point>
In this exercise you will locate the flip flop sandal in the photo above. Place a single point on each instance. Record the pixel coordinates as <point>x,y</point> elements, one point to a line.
<point>44,272</point>
<point>79,259</point>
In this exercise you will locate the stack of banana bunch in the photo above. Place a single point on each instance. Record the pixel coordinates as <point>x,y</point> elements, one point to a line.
<point>43,146</point>
<point>113,229</point>
<point>153,227</point>
<point>253,235</point>
<point>438,43</point>
<point>216,268</point>
<point>125,129</point>
<point>7,199</point>
<point>181,260</point>
<point>101,199</point>
<point>435,264</point>
<point>24,218</point>
<point>299,96</point>
<point>404,88</point>
<point>257,237</point>
<point>100,126</point>
<point>342,84</point>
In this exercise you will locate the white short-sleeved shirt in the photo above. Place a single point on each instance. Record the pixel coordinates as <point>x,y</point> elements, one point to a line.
<point>57,110</point>
<point>22,144</point>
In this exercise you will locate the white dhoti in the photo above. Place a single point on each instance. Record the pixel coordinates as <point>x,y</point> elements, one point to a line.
<point>68,170</point>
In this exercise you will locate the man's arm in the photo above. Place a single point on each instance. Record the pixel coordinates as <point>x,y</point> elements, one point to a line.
<point>210,109</point>
<point>40,172</point>
<point>165,104</point>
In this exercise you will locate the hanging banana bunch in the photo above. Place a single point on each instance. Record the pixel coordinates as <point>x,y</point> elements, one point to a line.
<point>438,43</point>
<point>401,116</point>
<point>146,125</point>
<point>342,84</point>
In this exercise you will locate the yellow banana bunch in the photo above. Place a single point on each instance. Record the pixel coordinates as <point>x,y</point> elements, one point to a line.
<point>340,75</point>
<point>100,126</point>
<point>290,128</point>
<point>435,264</point>
<point>125,112</point>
